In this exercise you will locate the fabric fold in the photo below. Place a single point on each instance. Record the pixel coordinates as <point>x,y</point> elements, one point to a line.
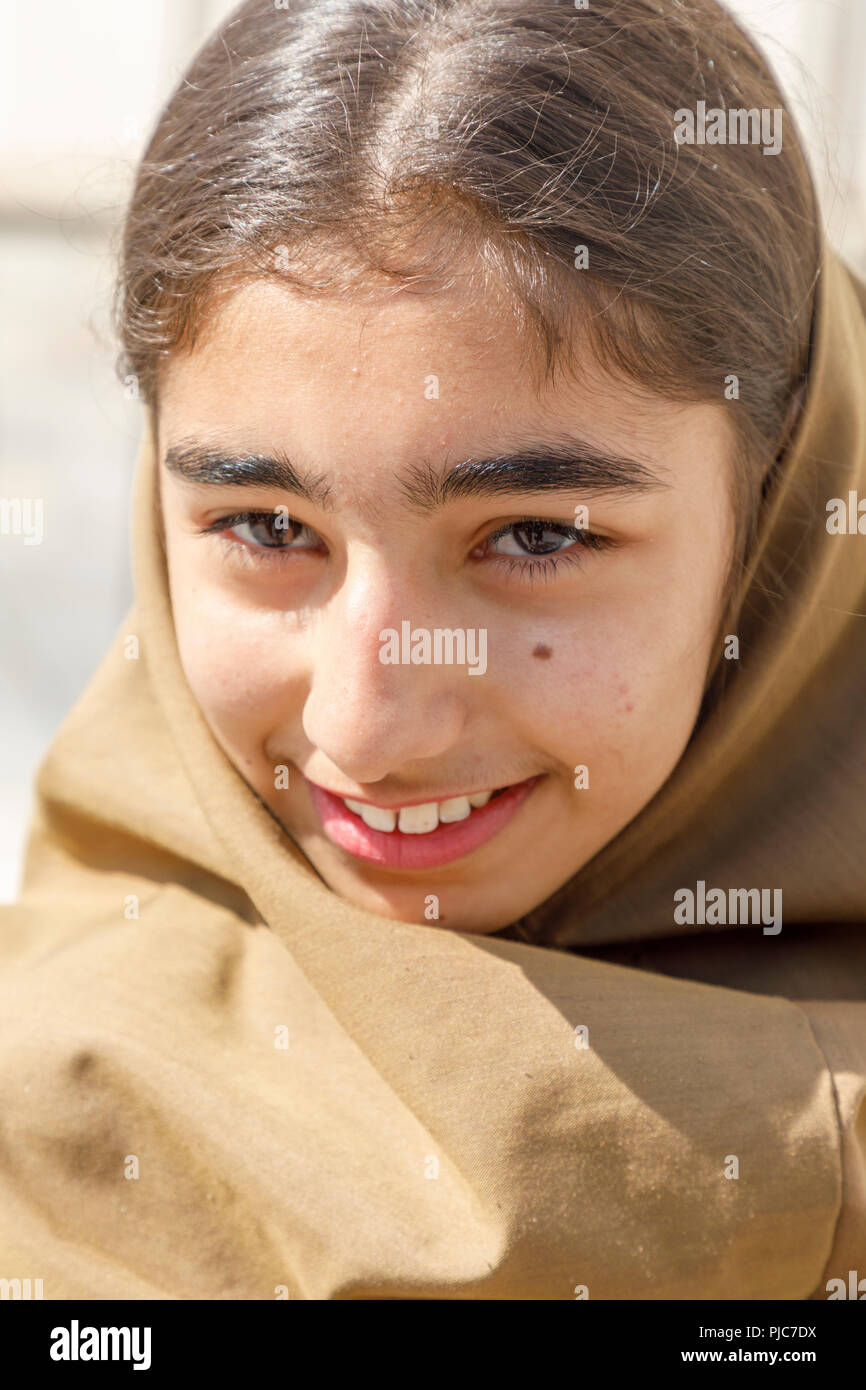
<point>220,1080</point>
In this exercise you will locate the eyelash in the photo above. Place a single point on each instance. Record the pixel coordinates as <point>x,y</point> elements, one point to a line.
<point>258,556</point>
<point>545,566</point>
<point>524,566</point>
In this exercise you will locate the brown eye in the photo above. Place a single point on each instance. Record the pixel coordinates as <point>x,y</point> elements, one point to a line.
<point>268,531</point>
<point>536,538</point>
<point>536,547</point>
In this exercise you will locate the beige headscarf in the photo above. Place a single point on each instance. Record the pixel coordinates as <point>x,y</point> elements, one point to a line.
<point>222,1081</point>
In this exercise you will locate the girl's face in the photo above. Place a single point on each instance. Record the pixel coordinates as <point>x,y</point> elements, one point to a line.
<point>404,574</point>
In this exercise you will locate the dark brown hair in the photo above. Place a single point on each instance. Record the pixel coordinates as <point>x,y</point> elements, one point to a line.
<point>344,144</point>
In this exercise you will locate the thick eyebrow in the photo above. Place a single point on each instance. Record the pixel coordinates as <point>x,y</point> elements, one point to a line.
<point>563,465</point>
<point>208,466</point>
<point>567,465</point>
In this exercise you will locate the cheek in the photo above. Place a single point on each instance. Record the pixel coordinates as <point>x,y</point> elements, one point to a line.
<point>237,661</point>
<point>625,684</point>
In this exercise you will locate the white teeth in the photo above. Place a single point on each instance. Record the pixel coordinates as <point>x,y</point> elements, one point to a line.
<point>377,817</point>
<point>417,820</point>
<point>457,808</point>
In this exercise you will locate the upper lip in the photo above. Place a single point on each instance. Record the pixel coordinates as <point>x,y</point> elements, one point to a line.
<point>394,805</point>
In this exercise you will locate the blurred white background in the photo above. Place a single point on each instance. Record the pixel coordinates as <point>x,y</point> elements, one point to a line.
<point>80,87</point>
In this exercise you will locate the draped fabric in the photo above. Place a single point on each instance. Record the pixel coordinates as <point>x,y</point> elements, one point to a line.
<point>222,1081</point>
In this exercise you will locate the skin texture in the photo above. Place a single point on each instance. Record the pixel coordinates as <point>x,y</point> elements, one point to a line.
<point>283,657</point>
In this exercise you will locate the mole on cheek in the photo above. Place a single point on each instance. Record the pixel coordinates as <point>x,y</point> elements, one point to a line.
<point>543,653</point>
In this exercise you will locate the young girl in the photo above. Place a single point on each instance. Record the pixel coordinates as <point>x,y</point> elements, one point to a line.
<point>451,883</point>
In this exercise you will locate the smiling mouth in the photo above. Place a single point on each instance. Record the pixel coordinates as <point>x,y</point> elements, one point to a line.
<point>424,836</point>
<point>420,819</point>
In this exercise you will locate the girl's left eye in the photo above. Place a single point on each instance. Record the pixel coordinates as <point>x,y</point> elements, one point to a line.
<point>535,544</point>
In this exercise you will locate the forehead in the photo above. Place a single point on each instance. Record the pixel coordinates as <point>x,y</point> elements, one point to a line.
<point>454,356</point>
<point>367,391</point>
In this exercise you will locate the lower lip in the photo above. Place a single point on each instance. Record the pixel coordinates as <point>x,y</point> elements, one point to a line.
<point>396,850</point>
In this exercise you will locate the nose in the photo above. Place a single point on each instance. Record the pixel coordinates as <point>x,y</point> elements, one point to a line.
<point>370,718</point>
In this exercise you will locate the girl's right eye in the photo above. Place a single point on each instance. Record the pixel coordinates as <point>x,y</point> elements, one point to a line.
<point>274,530</point>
